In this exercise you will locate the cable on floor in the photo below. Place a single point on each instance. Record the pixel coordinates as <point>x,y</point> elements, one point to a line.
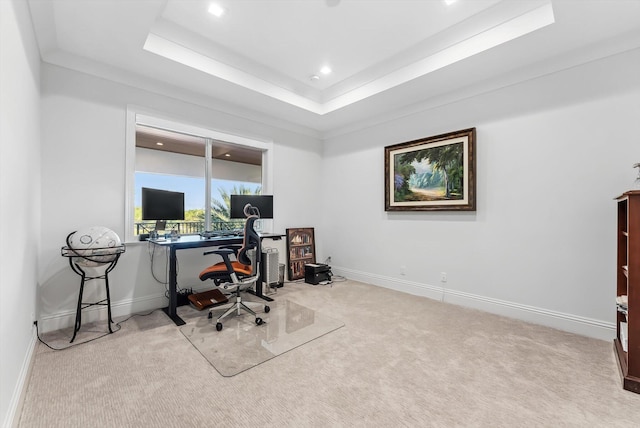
<point>116,324</point>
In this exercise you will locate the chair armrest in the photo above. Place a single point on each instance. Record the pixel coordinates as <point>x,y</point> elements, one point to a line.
<point>224,253</point>
<point>219,252</point>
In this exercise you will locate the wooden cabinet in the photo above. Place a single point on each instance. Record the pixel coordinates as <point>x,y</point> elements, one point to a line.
<point>627,341</point>
<point>301,250</point>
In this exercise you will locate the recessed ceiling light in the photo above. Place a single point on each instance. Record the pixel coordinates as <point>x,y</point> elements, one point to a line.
<point>314,78</point>
<point>159,143</point>
<point>227,155</point>
<point>449,2</point>
<point>216,10</point>
<point>325,70</point>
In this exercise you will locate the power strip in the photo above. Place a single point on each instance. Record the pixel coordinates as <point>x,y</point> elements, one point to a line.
<point>182,298</point>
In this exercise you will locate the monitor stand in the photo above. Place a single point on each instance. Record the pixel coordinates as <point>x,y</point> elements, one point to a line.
<point>208,234</point>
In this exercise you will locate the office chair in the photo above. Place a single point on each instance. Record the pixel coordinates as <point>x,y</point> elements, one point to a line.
<point>240,274</point>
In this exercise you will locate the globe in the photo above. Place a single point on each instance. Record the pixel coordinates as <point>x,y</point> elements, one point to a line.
<point>94,246</point>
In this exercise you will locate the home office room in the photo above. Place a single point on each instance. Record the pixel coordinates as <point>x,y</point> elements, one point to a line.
<point>468,172</point>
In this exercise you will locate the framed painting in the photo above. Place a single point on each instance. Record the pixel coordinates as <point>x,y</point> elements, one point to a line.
<point>432,174</point>
<point>301,249</point>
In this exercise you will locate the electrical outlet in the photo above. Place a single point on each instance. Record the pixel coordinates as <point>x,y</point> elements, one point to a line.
<point>443,277</point>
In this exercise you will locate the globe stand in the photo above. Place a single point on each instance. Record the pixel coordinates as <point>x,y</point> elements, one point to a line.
<point>95,257</point>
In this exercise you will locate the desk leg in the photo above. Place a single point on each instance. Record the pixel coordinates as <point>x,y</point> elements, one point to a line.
<point>173,288</point>
<point>258,292</point>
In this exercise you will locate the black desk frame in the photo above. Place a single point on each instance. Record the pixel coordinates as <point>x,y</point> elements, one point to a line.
<point>195,241</point>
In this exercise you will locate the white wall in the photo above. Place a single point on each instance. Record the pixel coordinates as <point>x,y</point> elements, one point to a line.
<point>83,125</point>
<point>552,154</point>
<point>20,196</point>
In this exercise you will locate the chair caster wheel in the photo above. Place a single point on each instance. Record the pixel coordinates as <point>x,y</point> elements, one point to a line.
<point>219,326</point>
<point>210,315</point>
<point>259,321</point>
<point>267,309</point>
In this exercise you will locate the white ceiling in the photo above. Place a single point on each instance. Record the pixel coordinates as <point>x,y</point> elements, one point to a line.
<point>386,55</point>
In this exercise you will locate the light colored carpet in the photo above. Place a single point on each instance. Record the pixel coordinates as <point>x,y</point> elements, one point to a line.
<point>400,360</point>
<point>241,344</point>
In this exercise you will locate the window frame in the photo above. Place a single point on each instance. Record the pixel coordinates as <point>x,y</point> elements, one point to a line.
<point>139,115</point>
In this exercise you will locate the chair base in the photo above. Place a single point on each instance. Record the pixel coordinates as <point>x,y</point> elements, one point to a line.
<point>238,306</point>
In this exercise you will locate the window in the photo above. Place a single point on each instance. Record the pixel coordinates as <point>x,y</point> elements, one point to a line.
<point>206,165</point>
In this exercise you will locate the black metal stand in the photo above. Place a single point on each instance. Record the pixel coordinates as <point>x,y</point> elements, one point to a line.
<point>103,258</point>
<point>82,305</point>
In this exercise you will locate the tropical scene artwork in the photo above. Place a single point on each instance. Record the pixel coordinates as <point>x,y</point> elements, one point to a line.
<point>434,173</point>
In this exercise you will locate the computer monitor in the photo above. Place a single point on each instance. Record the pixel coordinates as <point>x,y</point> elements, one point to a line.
<point>264,203</point>
<point>162,205</point>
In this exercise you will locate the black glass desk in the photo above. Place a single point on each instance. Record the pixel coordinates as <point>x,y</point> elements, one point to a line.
<point>196,241</point>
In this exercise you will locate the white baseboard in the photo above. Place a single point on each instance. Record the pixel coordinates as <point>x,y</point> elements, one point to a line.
<point>12,416</point>
<point>562,321</point>
<point>64,319</point>
<point>415,288</point>
<point>122,308</point>
<point>589,327</point>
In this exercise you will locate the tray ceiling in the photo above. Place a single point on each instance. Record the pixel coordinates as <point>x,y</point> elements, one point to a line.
<point>259,58</point>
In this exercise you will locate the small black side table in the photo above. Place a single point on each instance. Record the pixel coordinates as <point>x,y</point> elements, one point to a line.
<point>93,256</point>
